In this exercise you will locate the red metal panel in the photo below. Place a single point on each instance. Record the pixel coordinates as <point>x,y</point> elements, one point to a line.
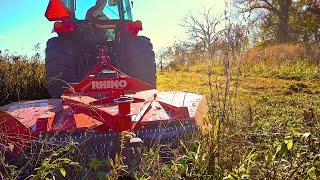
<point>85,121</point>
<point>27,113</point>
<point>114,87</point>
<point>13,132</point>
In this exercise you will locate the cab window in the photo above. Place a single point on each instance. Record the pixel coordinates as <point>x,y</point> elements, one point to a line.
<point>127,9</point>
<point>67,3</point>
<point>111,10</point>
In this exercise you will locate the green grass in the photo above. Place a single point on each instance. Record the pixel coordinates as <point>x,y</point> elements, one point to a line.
<point>296,71</point>
<point>273,100</point>
<point>270,107</point>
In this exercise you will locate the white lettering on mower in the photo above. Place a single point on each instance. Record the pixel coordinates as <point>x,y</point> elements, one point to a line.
<point>109,84</point>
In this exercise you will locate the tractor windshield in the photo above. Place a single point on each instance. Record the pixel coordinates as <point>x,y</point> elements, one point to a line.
<point>102,9</point>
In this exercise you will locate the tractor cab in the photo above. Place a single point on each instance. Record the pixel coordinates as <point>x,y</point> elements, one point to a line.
<point>77,9</point>
<point>98,13</point>
<point>113,10</point>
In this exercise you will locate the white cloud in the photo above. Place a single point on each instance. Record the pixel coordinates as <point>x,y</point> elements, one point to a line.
<point>3,37</point>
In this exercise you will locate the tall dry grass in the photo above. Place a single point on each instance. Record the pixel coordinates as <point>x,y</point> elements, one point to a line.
<point>21,80</point>
<point>284,61</point>
<point>283,53</point>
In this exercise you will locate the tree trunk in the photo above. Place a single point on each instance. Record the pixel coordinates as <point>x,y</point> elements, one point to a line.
<point>283,26</point>
<point>283,30</point>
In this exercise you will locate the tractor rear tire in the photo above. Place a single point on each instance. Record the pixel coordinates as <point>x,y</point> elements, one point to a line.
<point>60,68</point>
<point>141,60</point>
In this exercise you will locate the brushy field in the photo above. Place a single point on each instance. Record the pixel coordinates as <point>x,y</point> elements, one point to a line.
<point>264,125</point>
<point>267,127</point>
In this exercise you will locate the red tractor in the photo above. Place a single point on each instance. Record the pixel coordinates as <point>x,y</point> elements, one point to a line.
<point>83,28</point>
<point>102,75</point>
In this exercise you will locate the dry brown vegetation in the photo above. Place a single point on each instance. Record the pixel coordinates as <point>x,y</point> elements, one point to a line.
<point>283,53</point>
<point>21,80</point>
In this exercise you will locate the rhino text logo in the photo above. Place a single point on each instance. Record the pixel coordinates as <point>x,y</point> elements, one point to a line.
<point>105,26</point>
<point>109,84</point>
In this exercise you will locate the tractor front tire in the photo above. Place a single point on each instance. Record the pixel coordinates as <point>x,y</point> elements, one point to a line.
<point>60,68</point>
<point>141,60</point>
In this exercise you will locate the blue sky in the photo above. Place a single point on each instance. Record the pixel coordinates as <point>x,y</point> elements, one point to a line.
<point>22,23</point>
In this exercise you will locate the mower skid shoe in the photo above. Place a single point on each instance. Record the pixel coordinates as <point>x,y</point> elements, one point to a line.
<point>133,153</point>
<point>134,142</point>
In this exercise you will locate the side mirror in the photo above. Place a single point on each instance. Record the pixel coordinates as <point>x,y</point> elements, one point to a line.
<point>112,2</point>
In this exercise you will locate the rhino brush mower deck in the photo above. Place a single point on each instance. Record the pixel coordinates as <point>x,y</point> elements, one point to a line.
<point>102,78</point>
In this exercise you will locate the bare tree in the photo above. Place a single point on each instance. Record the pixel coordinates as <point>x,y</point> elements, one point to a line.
<point>37,55</point>
<point>162,55</point>
<point>279,8</point>
<point>203,28</point>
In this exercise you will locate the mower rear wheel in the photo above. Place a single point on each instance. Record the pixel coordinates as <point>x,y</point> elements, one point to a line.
<point>60,69</point>
<point>141,60</point>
